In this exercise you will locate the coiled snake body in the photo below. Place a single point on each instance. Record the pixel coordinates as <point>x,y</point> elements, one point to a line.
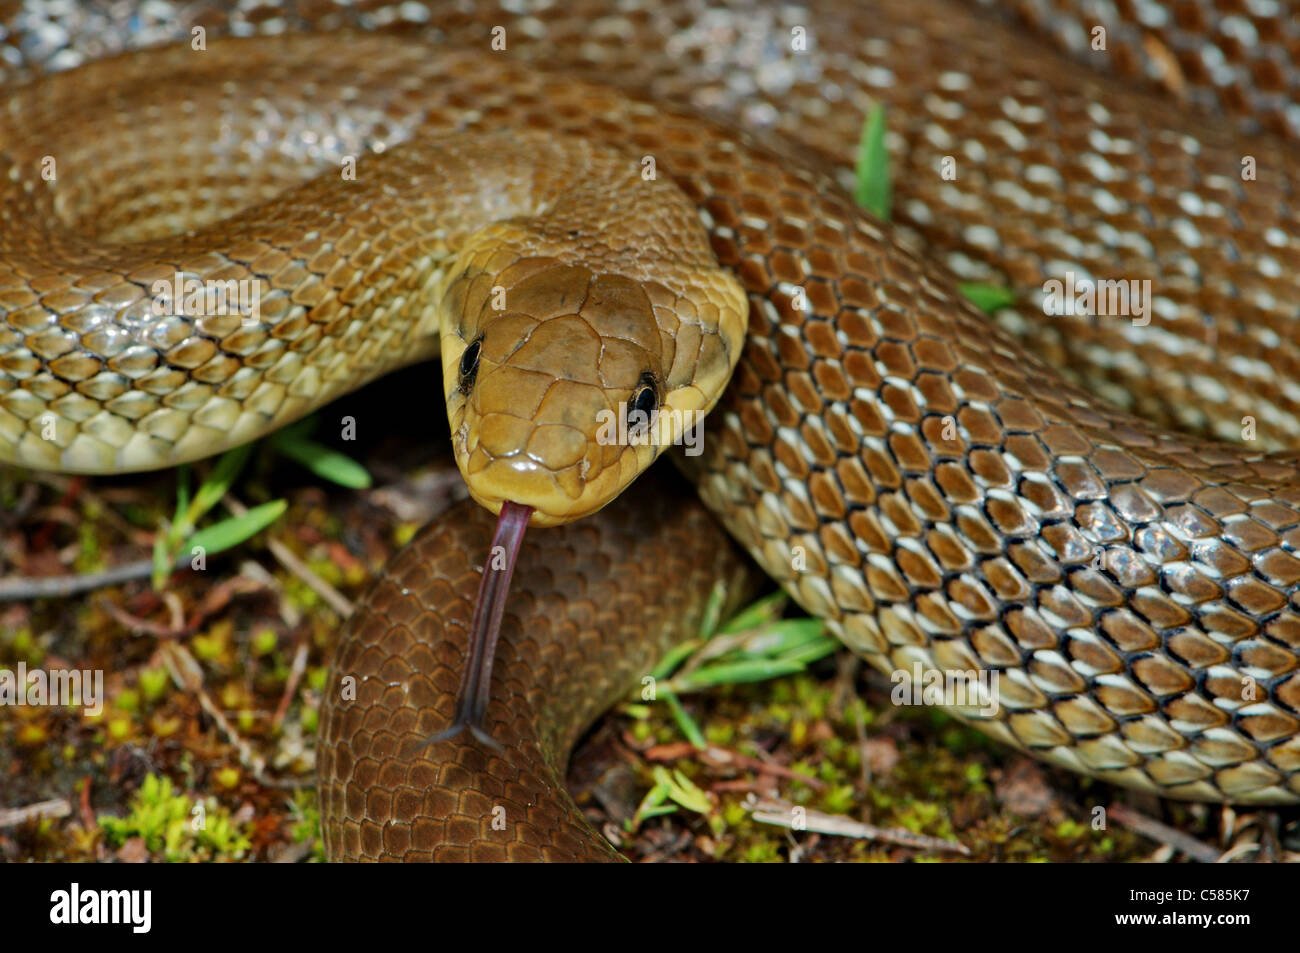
<point>915,473</point>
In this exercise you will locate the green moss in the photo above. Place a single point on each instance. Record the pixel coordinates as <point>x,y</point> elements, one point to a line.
<point>306,826</point>
<point>174,827</point>
<point>128,699</point>
<point>317,675</point>
<point>154,683</point>
<point>263,642</point>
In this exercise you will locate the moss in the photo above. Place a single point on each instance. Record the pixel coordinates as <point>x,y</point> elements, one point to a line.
<point>264,641</point>
<point>227,778</point>
<point>939,776</point>
<point>306,824</point>
<point>153,684</point>
<point>214,644</point>
<point>945,779</point>
<point>175,828</point>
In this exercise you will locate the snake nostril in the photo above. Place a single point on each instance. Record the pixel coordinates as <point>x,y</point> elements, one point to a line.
<point>469,365</point>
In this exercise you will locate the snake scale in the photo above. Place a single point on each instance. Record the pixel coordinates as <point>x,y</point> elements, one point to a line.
<point>1103,510</point>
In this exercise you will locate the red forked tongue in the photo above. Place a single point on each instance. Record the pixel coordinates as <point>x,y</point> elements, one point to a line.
<point>475,680</point>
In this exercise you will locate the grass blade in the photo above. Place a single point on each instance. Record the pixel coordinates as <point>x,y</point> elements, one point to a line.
<point>182,493</point>
<point>757,613</point>
<point>731,673</point>
<point>162,561</point>
<point>988,298</point>
<point>690,728</point>
<point>818,649</point>
<point>682,790</point>
<point>874,191</point>
<point>326,463</point>
<point>674,658</point>
<point>713,610</point>
<point>786,635</point>
<point>231,532</point>
<point>218,482</point>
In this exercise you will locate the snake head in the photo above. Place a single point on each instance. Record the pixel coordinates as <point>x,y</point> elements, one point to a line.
<point>565,380</point>
<point>579,340</point>
<point>563,383</point>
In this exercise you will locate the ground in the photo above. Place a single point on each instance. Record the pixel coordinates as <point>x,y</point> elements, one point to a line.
<point>214,688</point>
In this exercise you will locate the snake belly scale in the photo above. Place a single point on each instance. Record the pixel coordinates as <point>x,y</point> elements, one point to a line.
<point>948,493</point>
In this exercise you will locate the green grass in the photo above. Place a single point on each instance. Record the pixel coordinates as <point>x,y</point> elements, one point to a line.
<point>755,645</point>
<point>874,187</point>
<point>874,192</point>
<point>182,536</point>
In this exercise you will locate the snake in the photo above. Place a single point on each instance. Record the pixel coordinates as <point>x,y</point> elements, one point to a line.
<point>636,212</point>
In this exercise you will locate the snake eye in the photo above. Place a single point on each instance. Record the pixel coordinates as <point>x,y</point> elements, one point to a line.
<point>469,365</point>
<point>644,402</point>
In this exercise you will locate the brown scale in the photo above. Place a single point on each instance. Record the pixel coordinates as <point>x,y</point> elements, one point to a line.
<point>571,623</point>
<point>907,55</point>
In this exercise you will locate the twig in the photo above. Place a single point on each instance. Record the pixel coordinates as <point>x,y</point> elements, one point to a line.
<point>174,629</point>
<point>19,588</point>
<point>87,812</point>
<point>186,673</point>
<point>13,816</point>
<point>782,814</point>
<point>764,765</point>
<point>716,755</point>
<point>296,671</point>
<point>285,557</point>
<point>1241,850</point>
<point>1163,834</point>
<point>24,588</point>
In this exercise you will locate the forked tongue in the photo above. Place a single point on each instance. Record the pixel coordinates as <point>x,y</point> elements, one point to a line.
<point>485,629</point>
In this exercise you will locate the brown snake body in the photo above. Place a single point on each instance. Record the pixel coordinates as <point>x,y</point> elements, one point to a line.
<point>911,471</point>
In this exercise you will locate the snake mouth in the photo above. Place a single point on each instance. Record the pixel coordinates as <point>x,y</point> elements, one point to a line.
<point>485,628</point>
